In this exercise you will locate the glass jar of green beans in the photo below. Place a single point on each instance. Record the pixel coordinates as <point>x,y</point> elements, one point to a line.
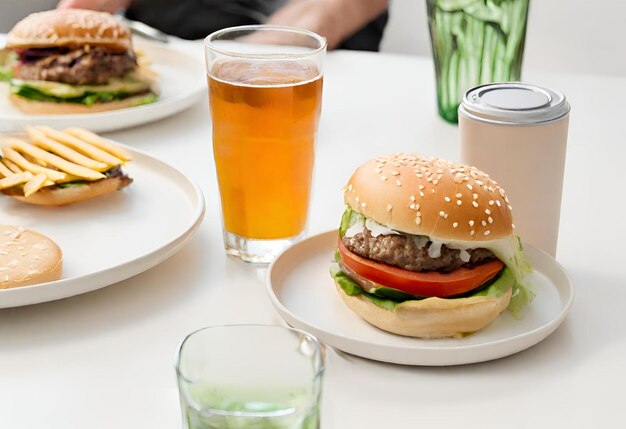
<point>474,42</point>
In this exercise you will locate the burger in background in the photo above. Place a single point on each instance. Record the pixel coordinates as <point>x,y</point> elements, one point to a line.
<point>427,248</point>
<point>75,61</point>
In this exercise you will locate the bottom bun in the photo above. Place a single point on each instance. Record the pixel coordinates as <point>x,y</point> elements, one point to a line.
<point>57,196</point>
<point>52,108</point>
<point>430,317</point>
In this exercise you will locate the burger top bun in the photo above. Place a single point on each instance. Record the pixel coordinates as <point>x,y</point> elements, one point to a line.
<point>65,27</point>
<point>430,196</point>
<point>27,258</point>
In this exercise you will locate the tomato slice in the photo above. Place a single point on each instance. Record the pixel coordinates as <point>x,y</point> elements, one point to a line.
<point>427,283</point>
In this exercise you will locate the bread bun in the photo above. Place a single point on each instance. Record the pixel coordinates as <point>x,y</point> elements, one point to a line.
<point>27,258</point>
<point>69,27</point>
<point>430,317</point>
<point>433,197</point>
<point>52,108</point>
<point>57,196</point>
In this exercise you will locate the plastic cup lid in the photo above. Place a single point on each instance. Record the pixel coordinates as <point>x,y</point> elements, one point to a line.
<point>514,103</point>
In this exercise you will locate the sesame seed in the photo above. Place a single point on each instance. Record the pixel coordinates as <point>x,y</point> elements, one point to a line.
<point>418,220</point>
<point>472,232</point>
<point>471,223</point>
<point>474,203</point>
<point>447,199</point>
<point>479,182</point>
<point>383,178</point>
<point>412,206</point>
<point>490,219</point>
<point>421,194</point>
<point>455,224</point>
<point>350,187</point>
<point>509,206</point>
<point>435,181</point>
<point>395,173</point>
<point>513,225</point>
<point>475,196</point>
<point>412,198</point>
<point>459,202</point>
<point>483,223</point>
<point>498,203</point>
<point>487,232</point>
<point>389,207</point>
<point>470,187</point>
<point>421,186</point>
<point>442,213</point>
<point>356,199</point>
<point>398,183</point>
<point>363,205</point>
<point>487,211</point>
<point>459,195</point>
<point>490,202</point>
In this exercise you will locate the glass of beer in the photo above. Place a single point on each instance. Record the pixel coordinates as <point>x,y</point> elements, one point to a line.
<point>265,95</point>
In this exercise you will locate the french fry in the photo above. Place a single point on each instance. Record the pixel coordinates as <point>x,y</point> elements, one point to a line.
<point>12,166</point>
<point>14,180</point>
<point>99,142</point>
<point>53,160</point>
<point>35,183</point>
<point>17,159</point>
<point>5,171</point>
<point>82,146</point>
<point>41,140</point>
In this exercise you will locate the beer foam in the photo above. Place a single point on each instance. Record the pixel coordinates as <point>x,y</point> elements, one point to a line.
<point>265,73</point>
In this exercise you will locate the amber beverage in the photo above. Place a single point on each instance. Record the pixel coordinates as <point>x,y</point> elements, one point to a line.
<point>265,110</point>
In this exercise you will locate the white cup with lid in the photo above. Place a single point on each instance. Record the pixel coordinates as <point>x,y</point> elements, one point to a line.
<point>517,133</point>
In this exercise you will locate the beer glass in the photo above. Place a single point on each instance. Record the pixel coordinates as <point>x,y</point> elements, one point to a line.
<point>265,95</point>
<point>250,376</point>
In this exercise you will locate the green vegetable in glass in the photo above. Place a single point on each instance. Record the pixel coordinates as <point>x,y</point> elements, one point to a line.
<point>474,42</point>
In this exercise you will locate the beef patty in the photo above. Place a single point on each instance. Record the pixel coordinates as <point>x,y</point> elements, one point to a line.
<point>80,66</point>
<point>411,252</point>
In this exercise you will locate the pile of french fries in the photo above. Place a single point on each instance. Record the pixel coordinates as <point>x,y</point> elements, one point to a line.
<point>55,157</point>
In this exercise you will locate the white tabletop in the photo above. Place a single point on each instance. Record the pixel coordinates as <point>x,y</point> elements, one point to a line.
<point>105,359</point>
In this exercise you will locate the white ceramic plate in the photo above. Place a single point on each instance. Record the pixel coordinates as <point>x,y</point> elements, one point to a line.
<point>109,239</point>
<point>303,293</point>
<point>182,82</point>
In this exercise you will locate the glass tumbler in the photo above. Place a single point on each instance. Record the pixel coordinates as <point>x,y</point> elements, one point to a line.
<point>250,377</point>
<point>474,42</point>
<point>265,95</point>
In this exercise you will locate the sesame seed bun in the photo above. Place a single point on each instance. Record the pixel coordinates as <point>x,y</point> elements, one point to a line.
<point>69,27</point>
<point>27,258</point>
<point>53,108</point>
<point>430,196</point>
<point>57,196</point>
<point>430,317</point>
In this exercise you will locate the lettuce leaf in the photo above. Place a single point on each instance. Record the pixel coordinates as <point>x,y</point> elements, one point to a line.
<point>88,99</point>
<point>498,287</point>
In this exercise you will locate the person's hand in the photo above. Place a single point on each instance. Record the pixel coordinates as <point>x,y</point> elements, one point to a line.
<point>110,6</point>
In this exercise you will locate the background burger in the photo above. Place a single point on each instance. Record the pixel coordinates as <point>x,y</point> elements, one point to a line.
<point>427,248</point>
<point>75,61</point>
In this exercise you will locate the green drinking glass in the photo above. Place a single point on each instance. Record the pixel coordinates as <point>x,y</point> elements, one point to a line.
<point>474,42</point>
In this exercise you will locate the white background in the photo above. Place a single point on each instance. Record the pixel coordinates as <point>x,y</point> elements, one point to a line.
<point>580,36</point>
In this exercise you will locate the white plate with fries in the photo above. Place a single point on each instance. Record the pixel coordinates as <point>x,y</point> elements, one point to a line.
<point>180,79</point>
<point>108,238</point>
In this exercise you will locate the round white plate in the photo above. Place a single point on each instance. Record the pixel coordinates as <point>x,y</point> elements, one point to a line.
<point>304,294</point>
<point>181,82</point>
<point>111,238</point>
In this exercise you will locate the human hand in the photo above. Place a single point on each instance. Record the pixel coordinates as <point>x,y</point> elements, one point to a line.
<point>111,6</point>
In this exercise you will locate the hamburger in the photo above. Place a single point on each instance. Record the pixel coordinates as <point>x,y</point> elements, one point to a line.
<point>61,167</point>
<point>27,258</point>
<point>75,61</point>
<point>427,248</point>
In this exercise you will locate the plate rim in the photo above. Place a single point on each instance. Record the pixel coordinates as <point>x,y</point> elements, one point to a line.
<point>548,327</point>
<point>164,251</point>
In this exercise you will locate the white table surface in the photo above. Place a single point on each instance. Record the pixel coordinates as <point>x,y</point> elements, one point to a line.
<point>105,359</point>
